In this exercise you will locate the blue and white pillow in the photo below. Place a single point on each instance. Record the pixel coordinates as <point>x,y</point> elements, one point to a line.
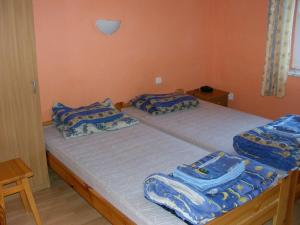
<point>85,120</point>
<point>164,103</point>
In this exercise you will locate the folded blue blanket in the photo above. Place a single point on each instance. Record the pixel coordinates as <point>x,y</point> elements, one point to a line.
<point>207,175</point>
<point>199,207</point>
<point>276,144</point>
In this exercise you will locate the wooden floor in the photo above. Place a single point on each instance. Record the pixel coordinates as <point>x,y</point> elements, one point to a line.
<point>61,205</point>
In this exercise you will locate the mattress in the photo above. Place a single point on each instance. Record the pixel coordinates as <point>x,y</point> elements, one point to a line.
<point>115,164</point>
<point>209,126</point>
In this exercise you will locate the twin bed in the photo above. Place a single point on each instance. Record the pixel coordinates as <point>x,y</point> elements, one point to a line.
<point>110,177</point>
<point>117,164</point>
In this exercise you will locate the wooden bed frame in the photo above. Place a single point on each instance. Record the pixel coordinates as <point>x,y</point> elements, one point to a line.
<point>271,204</point>
<point>297,191</point>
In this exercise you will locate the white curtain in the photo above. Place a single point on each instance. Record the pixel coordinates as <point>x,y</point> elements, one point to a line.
<point>278,52</point>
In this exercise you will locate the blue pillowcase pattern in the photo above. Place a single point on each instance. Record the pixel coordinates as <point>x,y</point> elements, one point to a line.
<point>94,118</point>
<point>157,104</point>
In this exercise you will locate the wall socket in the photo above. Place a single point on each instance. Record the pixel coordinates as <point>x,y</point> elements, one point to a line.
<point>158,80</point>
<point>231,96</point>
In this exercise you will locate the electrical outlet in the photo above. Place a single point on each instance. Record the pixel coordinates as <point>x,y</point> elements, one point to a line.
<point>231,96</point>
<point>158,80</point>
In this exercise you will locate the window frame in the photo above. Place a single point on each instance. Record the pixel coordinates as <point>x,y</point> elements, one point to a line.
<point>295,71</point>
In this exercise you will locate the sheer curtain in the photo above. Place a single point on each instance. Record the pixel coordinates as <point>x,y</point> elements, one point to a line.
<point>278,52</point>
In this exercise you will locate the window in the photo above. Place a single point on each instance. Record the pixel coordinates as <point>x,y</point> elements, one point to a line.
<point>295,63</point>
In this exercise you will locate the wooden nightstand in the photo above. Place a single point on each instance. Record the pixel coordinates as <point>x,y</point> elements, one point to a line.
<point>217,96</point>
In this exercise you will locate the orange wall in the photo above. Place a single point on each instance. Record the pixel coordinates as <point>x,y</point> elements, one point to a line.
<point>237,59</point>
<point>78,65</point>
<point>189,43</point>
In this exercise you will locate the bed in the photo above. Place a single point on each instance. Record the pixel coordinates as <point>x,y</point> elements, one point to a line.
<point>111,176</point>
<point>210,126</point>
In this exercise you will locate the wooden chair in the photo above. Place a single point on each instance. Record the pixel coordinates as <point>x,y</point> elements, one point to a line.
<point>16,172</point>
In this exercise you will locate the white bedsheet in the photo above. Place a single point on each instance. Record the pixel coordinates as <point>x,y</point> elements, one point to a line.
<point>115,164</point>
<point>209,126</point>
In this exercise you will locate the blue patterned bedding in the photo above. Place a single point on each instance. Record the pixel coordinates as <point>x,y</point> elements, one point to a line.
<point>200,205</point>
<point>276,144</point>
<point>156,104</point>
<point>95,118</point>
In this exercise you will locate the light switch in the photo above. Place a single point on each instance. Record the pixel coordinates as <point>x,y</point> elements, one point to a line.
<point>158,80</point>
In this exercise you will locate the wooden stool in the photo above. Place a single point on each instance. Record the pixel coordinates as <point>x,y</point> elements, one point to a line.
<point>15,171</point>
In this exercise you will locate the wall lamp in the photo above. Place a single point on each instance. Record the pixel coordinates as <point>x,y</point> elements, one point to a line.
<point>108,27</point>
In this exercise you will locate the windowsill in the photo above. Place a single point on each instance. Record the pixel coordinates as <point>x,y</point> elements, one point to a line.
<point>294,73</point>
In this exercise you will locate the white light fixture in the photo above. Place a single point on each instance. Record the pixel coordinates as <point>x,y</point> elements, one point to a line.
<point>108,27</point>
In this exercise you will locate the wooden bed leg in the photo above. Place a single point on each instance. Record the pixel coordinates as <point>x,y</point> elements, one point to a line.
<point>284,214</point>
<point>297,192</point>
<point>291,198</point>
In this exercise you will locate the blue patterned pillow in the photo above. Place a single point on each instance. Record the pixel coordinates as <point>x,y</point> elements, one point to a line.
<point>94,118</point>
<point>164,103</point>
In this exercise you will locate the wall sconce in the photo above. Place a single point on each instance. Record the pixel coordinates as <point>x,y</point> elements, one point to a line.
<point>108,27</point>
